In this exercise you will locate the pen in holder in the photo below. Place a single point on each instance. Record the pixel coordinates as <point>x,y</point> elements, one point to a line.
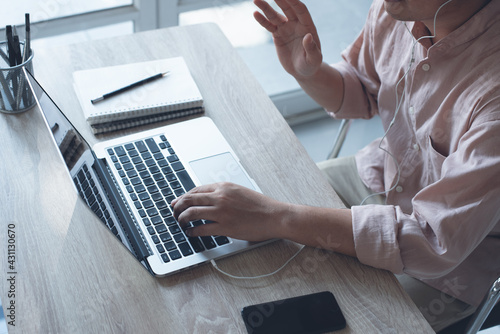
<point>15,92</point>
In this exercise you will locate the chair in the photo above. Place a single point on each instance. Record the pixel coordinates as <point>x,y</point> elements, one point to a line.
<point>488,310</point>
<point>487,314</point>
<point>340,138</point>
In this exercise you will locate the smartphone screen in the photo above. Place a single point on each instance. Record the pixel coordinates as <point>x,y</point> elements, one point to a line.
<point>310,314</point>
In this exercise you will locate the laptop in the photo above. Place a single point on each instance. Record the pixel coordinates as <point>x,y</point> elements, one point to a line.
<point>129,183</point>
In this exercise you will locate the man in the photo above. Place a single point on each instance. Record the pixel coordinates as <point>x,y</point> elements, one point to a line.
<point>430,69</point>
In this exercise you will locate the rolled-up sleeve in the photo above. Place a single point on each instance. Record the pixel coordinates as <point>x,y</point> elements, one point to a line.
<point>376,236</point>
<point>356,102</point>
<point>361,80</point>
<point>450,217</point>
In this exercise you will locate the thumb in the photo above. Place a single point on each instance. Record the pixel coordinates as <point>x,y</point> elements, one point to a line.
<point>313,51</point>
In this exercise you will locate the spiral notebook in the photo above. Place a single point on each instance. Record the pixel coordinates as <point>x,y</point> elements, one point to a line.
<point>176,95</point>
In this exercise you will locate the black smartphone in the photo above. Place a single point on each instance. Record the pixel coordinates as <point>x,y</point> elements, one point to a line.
<point>310,314</point>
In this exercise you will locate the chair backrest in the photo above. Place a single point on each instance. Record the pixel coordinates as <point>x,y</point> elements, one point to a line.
<point>482,312</point>
<point>340,138</point>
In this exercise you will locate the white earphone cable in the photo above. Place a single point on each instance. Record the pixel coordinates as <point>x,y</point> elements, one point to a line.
<point>399,103</point>
<point>259,276</point>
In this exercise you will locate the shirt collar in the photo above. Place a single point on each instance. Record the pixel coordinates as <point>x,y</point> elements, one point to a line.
<point>475,26</point>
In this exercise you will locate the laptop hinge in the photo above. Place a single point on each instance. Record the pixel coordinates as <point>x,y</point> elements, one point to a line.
<point>126,221</point>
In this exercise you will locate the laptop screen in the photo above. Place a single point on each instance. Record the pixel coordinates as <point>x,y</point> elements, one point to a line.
<point>79,159</point>
<point>70,143</point>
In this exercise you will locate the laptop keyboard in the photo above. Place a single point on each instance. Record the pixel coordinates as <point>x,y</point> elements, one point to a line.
<point>88,190</point>
<point>154,177</point>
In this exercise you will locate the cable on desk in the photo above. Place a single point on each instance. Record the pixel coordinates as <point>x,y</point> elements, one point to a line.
<point>259,276</point>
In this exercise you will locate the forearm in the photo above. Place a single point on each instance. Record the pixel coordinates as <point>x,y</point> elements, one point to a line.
<point>326,87</point>
<point>241,213</point>
<point>319,227</point>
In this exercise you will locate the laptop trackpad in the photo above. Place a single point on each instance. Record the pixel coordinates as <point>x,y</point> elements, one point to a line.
<point>220,168</point>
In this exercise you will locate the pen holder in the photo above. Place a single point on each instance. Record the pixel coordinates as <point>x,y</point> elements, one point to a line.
<point>15,92</point>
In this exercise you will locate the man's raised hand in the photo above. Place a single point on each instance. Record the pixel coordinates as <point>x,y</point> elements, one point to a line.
<point>294,34</point>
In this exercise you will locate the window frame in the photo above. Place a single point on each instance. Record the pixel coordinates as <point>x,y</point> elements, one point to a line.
<point>155,14</point>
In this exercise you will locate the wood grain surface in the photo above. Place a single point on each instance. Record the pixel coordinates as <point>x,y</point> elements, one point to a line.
<point>73,276</point>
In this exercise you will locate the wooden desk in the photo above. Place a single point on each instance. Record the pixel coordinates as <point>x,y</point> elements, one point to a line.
<point>73,276</point>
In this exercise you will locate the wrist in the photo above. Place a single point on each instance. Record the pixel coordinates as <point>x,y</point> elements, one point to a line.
<point>325,86</point>
<point>312,77</point>
<point>286,223</point>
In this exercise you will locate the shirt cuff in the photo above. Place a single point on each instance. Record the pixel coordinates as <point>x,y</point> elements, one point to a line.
<point>375,231</point>
<point>352,105</point>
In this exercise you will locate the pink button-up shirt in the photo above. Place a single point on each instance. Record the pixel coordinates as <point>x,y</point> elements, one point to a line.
<point>441,222</point>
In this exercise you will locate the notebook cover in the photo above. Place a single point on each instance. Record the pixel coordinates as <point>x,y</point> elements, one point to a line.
<point>176,91</point>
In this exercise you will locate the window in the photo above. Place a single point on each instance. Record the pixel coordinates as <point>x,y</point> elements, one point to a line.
<point>338,23</point>
<point>46,10</point>
<point>59,17</point>
<point>84,35</point>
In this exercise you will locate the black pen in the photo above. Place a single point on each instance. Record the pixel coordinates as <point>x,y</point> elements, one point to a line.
<point>135,84</point>
<point>27,39</point>
<point>17,49</point>
<point>10,46</point>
